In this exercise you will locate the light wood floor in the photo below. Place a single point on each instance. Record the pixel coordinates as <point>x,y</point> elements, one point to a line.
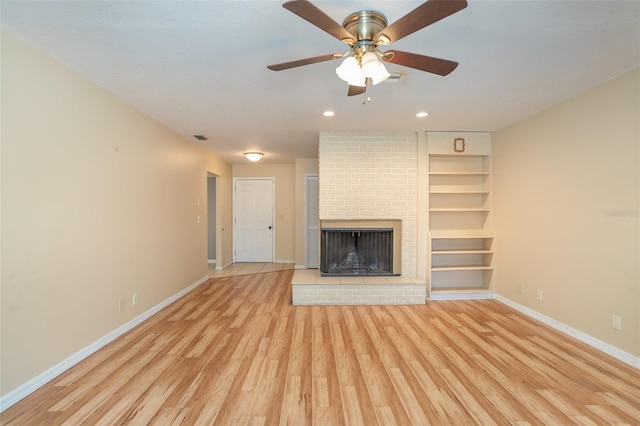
<point>235,352</point>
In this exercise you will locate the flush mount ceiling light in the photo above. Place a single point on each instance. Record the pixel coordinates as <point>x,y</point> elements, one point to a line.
<point>422,114</point>
<point>328,113</point>
<point>253,156</point>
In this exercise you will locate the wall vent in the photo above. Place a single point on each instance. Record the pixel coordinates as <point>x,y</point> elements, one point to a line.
<point>200,137</point>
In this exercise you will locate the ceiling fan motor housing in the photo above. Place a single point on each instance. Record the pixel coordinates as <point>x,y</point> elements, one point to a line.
<point>364,25</point>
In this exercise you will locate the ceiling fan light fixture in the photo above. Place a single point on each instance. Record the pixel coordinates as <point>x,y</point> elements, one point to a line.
<point>380,76</point>
<point>370,64</point>
<point>253,156</point>
<point>359,81</point>
<point>374,69</point>
<point>350,71</point>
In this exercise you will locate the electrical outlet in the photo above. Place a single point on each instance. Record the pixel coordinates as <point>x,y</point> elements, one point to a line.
<point>134,299</point>
<point>616,322</point>
<point>122,305</point>
<point>198,219</point>
<point>539,295</point>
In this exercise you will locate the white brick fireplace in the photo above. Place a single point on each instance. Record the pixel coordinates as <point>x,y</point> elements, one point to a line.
<point>368,177</point>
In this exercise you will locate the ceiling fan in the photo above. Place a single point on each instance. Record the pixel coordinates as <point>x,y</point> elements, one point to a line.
<point>364,31</point>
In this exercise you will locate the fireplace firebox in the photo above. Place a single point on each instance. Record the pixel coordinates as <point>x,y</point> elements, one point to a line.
<point>356,252</point>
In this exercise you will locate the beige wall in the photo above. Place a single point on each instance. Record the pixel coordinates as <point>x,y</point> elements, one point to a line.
<point>304,167</point>
<point>566,191</point>
<point>98,202</point>
<point>285,219</point>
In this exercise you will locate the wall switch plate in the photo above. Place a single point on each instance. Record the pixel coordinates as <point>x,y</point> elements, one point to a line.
<point>616,322</point>
<point>539,295</point>
<point>134,299</point>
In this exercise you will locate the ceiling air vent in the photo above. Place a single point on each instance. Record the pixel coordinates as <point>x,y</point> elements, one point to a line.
<point>200,137</point>
<point>395,77</point>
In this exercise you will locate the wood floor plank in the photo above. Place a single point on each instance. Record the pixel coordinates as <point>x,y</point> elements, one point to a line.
<point>408,397</point>
<point>615,400</point>
<point>496,401</point>
<point>234,351</point>
<point>356,401</point>
<point>324,372</point>
<point>529,400</point>
<point>446,409</point>
<point>465,396</point>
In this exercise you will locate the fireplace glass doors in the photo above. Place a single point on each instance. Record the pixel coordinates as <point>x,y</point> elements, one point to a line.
<point>356,252</point>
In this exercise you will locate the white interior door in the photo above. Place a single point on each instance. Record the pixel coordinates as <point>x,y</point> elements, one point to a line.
<point>313,222</point>
<point>253,220</point>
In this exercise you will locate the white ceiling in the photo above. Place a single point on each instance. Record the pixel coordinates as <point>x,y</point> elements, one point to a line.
<point>200,67</point>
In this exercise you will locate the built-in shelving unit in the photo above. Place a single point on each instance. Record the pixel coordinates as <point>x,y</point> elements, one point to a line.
<point>461,241</point>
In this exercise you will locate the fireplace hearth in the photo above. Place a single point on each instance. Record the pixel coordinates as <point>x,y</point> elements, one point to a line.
<point>356,252</point>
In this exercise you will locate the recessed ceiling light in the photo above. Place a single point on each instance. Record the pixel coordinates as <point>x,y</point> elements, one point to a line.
<point>328,113</point>
<point>422,114</point>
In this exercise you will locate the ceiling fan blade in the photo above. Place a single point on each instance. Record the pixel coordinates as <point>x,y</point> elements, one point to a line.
<point>317,17</point>
<point>301,62</point>
<point>356,90</point>
<point>420,62</point>
<point>422,16</point>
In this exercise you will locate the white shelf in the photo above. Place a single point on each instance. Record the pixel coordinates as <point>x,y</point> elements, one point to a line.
<point>463,251</point>
<point>436,192</point>
<point>460,234</point>
<point>440,210</point>
<point>454,290</point>
<point>461,294</point>
<point>459,173</point>
<point>460,268</point>
<point>461,241</point>
<point>461,278</point>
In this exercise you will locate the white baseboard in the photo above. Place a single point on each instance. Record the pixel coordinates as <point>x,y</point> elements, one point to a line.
<point>619,354</point>
<point>211,261</point>
<point>300,267</point>
<point>221,267</point>
<point>34,384</point>
<point>284,261</point>
<point>461,296</point>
